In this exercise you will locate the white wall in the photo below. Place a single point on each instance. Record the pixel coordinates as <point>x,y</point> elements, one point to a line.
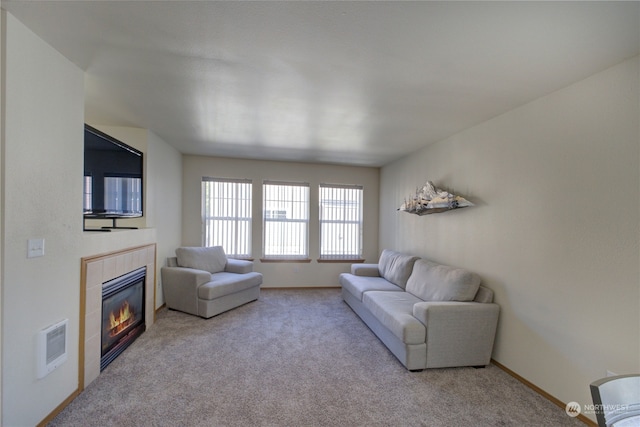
<point>164,202</point>
<point>43,146</point>
<point>42,149</point>
<point>282,274</point>
<point>554,232</point>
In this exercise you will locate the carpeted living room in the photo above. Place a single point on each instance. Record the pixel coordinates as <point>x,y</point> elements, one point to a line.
<point>495,145</point>
<point>294,357</point>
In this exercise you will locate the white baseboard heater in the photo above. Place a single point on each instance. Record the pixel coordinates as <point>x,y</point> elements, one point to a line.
<point>52,347</point>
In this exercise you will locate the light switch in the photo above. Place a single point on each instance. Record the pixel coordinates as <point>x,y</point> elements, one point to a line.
<point>35,248</point>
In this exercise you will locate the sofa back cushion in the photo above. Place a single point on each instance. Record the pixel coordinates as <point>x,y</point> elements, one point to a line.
<point>396,267</point>
<point>430,281</point>
<point>212,259</point>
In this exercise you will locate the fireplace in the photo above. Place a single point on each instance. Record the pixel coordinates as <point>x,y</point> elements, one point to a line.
<point>123,318</point>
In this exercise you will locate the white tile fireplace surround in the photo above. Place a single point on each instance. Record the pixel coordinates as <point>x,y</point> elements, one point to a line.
<point>95,271</point>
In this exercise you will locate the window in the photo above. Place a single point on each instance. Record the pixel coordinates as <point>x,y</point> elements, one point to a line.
<point>340,221</point>
<point>226,213</point>
<point>122,194</point>
<point>87,193</point>
<point>286,220</point>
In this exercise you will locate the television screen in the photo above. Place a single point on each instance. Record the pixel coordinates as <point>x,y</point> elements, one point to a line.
<point>112,177</point>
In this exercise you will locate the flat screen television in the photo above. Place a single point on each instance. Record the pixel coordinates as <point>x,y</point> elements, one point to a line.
<point>112,177</point>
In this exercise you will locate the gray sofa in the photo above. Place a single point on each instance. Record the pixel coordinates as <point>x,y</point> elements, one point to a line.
<point>427,314</point>
<point>204,282</point>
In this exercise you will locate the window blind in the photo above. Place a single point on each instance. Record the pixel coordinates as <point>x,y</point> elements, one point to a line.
<point>285,220</point>
<point>226,212</point>
<point>340,221</point>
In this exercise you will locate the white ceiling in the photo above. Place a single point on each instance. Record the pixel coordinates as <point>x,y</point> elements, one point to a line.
<point>360,83</point>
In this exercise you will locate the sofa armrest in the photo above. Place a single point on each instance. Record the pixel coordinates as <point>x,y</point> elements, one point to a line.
<point>369,270</point>
<point>239,266</point>
<point>458,333</point>
<point>180,287</point>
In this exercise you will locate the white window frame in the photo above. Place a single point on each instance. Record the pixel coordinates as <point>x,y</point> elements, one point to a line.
<point>285,220</point>
<point>227,215</point>
<point>341,221</point>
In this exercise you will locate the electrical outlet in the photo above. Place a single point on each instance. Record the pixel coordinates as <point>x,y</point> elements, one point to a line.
<point>35,248</point>
<point>611,374</point>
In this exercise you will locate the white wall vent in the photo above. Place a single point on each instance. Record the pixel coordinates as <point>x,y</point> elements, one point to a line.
<point>52,347</point>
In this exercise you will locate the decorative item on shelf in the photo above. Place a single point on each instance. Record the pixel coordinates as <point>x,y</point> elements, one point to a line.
<point>430,199</point>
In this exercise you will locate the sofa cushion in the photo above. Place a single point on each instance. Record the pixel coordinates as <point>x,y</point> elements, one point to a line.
<point>395,311</point>
<point>431,281</point>
<point>484,295</point>
<point>396,267</point>
<point>370,270</point>
<point>357,285</point>
<point>212,259</point>
<point>224,283</point>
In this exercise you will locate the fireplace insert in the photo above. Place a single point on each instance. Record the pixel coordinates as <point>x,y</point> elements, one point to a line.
<point>122,313</point>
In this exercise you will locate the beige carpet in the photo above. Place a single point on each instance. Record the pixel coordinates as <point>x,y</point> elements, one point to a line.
<point>292,358</point>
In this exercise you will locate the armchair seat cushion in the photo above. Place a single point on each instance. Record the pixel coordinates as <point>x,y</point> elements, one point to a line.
<point>225,283</point>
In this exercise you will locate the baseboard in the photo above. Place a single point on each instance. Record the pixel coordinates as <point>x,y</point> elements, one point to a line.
<point>58,409</point>
<point>543,393</point>
<point>72,396</point>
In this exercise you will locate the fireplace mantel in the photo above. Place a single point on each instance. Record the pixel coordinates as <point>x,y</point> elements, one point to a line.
<point>95,270</point>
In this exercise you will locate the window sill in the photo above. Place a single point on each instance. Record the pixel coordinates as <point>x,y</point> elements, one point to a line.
<point>341,260</point>
<point>301,260</point>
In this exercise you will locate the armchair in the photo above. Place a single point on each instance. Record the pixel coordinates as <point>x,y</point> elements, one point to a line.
<point>204,282</point>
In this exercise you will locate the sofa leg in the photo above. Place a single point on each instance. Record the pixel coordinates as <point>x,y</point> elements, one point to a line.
<point>416,370</point>
<point>479,367</point>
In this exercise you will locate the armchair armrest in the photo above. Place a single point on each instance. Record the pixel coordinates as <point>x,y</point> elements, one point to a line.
<point>239,266</point>
<point>369,270</point>
<point>180,287</point>
<point>458,333</point>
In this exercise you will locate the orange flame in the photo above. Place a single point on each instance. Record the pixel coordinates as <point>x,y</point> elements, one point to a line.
<point>120,320</point>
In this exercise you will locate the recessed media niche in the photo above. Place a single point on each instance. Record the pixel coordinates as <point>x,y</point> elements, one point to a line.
<point>113,179</point>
